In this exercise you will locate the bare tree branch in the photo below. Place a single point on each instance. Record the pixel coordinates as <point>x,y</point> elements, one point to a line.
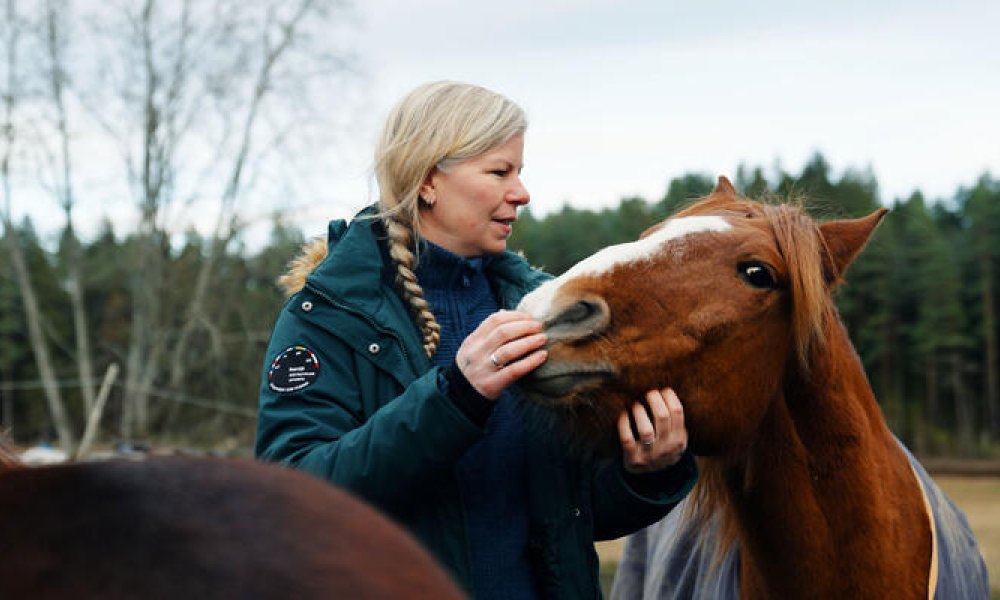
<point>225,227</point>
<point>33,316</point>
<point>197,97</point>
<point>74,284</point>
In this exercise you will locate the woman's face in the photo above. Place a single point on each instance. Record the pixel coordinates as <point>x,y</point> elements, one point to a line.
<point>470,208</point>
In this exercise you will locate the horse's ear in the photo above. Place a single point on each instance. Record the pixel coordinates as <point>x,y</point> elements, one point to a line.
<point>724,186</point>
<point>844,240</point>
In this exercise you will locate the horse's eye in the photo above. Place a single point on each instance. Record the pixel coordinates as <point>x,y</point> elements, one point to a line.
<point>757,274</point>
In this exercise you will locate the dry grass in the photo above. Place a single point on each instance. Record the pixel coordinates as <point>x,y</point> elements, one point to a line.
<point>978,497</point>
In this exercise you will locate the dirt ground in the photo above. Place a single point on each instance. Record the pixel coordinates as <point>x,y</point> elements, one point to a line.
<point>977,496</point>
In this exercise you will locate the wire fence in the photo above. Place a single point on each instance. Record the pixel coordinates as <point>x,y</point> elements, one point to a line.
<point>205,403</point>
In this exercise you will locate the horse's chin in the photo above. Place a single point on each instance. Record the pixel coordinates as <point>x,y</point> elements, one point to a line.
<point>558,385</point>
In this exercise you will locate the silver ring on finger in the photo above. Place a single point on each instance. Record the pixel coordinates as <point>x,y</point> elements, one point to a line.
<point>496,363</point>
<point>648,443</point>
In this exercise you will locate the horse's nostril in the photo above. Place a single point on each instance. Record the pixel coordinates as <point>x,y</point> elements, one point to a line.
<point>580,311</point>
<point>582,318</point>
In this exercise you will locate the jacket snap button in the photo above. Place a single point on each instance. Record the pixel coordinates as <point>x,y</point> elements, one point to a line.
<point>307,306</point>
<point>374,348</point>
<point>576,512</point>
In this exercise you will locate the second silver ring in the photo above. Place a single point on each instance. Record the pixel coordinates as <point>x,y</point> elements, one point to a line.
<point>496,363</point>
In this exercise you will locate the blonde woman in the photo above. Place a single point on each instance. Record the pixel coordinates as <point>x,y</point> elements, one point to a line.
<point>390,370</point>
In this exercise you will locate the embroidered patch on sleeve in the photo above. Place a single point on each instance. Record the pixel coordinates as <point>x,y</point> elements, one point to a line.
<point>293,370</point>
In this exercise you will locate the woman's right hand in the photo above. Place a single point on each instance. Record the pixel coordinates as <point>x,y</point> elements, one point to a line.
<point>505,347</point>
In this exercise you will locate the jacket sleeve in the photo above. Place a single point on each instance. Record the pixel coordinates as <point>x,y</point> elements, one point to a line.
<point>624,503</point>
<point>353,426</point>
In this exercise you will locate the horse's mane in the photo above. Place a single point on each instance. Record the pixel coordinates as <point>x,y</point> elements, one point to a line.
<point>800,244</point>
<point>802,247</point>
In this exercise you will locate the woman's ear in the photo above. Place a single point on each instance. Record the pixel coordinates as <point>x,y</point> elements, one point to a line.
<point>428,191</point>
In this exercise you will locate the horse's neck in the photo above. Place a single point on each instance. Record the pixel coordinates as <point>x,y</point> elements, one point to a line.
<point>825,493</point>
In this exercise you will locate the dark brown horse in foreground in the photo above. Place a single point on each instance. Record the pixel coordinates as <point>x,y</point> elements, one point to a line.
<point>805,493</point>
<point>189,528</point>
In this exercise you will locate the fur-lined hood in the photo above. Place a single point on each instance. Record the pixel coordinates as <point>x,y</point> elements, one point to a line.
<point>310,256</point>
<point>314,252</point>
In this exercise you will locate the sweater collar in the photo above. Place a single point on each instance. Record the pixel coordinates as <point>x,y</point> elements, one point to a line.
<point>439,268</point>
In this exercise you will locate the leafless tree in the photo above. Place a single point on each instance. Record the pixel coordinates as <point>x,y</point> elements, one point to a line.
<point>273,48</point>
<point>55,38</point>
<point>202,99</point>
<point>13,92</point>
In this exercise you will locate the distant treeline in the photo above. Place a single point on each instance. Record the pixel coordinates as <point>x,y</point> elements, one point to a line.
<point>921,306</point>
<point>212,404</point>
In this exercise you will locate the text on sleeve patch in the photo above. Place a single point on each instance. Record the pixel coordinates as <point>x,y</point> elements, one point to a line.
<point>293,369</point>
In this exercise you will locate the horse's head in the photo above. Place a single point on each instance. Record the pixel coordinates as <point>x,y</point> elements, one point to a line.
<point>718,302</point>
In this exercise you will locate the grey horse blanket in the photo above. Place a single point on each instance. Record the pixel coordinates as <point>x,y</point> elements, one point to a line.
<point>668,560</point>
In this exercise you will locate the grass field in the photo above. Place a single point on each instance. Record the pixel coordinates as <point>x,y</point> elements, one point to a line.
<point>977,496</point>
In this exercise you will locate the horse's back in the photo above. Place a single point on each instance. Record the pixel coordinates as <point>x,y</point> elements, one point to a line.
<point>673,559</point>
<point>203,528</point>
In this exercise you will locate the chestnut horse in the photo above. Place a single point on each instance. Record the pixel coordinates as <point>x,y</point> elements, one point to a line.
<point>804,491</point>
<point>175,527</point>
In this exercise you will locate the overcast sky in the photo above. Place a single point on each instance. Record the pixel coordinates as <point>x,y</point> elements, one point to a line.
<point>622,95</point>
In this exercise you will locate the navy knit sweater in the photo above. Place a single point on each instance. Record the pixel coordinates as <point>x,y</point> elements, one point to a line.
<point>492,472</point>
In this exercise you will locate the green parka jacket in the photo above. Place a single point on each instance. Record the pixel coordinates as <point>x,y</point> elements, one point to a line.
<point>366,414</point>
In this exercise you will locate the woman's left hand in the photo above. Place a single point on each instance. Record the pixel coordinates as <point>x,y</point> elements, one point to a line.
<point>659,438</point>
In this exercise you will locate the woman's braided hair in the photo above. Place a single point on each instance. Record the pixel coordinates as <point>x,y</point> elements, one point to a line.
<point>433,127</point>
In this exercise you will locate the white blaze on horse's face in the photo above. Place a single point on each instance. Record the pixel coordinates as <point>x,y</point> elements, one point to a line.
<point>539,302</point>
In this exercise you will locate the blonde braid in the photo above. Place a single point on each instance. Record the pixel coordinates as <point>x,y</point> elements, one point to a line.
<point>400,242</point>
